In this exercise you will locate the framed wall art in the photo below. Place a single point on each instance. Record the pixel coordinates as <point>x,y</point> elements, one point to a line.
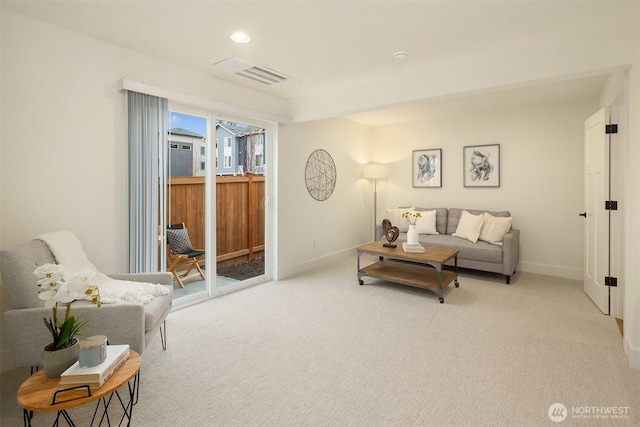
<point>482,166</point>
<point>427,168</point>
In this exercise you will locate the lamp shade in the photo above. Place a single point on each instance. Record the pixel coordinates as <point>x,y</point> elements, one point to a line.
<point>373,171</point>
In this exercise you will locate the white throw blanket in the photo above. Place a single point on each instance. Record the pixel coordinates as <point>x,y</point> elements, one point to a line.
<point>68,251</point>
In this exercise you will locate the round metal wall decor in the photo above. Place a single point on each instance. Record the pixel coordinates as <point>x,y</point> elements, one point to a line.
<point>320,175</point>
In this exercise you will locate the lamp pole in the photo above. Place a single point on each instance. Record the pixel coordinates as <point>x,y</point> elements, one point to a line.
<point>375,172</point>
<point>375,207</point>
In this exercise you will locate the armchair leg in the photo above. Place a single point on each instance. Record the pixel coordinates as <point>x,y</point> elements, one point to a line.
<point>163,334</point>
<point>507,279</point>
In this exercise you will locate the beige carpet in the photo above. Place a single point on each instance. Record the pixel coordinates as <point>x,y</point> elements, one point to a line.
<point>321,350</point>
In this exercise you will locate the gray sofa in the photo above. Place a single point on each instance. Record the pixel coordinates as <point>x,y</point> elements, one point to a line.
<point>25,332</point>
<point>481,255</point>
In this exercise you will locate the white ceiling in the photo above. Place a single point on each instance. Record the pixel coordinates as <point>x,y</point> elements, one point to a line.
<point>327,44</point>
<point>587,88</point>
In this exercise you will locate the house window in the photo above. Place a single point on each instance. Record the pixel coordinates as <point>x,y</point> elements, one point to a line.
<point>173,146</point>
<point>228,152</point>
<point>259,160</point>
<point>203,151</point>
<point>186,147</point>
<point>202,164</point>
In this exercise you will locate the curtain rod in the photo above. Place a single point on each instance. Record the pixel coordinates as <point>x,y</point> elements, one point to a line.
<point>195,101</point>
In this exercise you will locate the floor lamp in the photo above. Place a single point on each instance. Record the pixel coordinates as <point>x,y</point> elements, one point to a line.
<point>375,172</point>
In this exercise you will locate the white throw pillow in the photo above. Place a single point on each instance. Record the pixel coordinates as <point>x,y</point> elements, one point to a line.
<point>395,216</point>
<point>494,228</point>
<point>426,223</point>
<point>469,226</point>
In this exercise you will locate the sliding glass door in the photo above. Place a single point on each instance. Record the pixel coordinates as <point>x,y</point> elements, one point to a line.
<point>240,202</point>
<point>217,191</point>
<point>185,215</point>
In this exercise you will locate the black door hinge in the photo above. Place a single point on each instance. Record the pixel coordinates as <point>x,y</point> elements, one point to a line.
<point>611,205</point>
<point>610,129</point>
<point>611,281</point>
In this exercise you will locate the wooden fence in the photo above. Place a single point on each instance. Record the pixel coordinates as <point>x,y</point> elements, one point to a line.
<point>239,214</point>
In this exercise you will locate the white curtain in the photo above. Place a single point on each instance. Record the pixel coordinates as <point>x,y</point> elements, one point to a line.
<point>148,116</point>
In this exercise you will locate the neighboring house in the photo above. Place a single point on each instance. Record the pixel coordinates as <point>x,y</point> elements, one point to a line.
<point>239,148</point>
<point>187,153</point>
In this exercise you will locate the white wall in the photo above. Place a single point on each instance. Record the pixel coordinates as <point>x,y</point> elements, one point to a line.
<point>64,144</point>
<point>541,181</point>
<point>64,136</point>
<point>341,222</point>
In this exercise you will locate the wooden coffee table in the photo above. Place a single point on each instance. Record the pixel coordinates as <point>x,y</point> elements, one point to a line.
<point>423,270</point>
<point>41,394</point>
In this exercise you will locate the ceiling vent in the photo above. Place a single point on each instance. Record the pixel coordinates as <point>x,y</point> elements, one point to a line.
<point>258,73</point>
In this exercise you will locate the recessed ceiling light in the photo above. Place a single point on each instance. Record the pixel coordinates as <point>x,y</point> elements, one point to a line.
<point>240,37</point>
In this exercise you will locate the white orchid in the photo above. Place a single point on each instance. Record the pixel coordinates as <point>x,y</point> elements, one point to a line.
<point>57,284</point>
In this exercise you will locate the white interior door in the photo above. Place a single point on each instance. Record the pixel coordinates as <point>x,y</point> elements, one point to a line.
<point>596,227</point>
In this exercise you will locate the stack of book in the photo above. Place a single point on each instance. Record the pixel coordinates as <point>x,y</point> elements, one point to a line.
<point>417,248</point>
<point>96,376</point>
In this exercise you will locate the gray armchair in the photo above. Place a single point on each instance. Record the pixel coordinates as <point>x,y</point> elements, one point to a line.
<point>26,335</point>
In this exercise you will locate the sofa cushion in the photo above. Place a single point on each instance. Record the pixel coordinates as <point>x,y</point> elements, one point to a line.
<point>469,226</point>
<point>395,216</point>
<point>494,228</point>
<point>426,223</point>
<point>454,215</point>
<point>179,241</point>
<point>479,251</point>
<point>157,309</point>
<point>441,218</point>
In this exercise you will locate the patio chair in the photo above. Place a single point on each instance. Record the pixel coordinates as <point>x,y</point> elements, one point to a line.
<point>182,255</point>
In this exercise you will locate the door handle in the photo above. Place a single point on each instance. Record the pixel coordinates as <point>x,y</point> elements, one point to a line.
<point>584,214</point>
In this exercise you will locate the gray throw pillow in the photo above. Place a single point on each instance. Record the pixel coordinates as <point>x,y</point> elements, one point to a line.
<point>179,241</point>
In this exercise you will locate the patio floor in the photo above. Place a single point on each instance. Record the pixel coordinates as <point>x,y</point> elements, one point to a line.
<point>226,276</point>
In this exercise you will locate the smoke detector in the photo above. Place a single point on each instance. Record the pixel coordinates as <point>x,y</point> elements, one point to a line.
<point>400,56</point>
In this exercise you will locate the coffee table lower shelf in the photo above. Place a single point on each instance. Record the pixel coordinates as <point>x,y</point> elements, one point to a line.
<point>417,275</point>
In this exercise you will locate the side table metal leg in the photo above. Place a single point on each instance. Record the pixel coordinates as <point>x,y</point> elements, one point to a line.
<point>133,399</point>
<point>136,387</point>
<point>66,417</point>
<point>105,401</point>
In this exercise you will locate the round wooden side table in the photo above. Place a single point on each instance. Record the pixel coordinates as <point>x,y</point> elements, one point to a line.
<point>42,394</point>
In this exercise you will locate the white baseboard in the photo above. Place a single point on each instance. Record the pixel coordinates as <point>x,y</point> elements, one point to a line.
<point>633,355</point>
<point>551,270</point>
<point>285,273</point>
<point>527,267</point>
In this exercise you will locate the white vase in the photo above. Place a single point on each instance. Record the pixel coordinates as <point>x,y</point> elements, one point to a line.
<point>412,235</point>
